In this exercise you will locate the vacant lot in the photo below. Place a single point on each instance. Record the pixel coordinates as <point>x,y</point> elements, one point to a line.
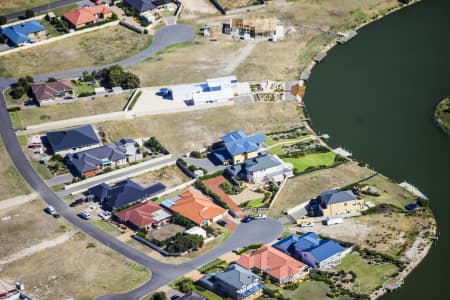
<point>312,160</point>
<point>78,269</point>
<point>187,131</point>
<point>99,105</point>
<point>103,46</point>
<point>169,176</point>
<point>302,188</point>
<point>29,225</point>
<point>10,6</point>
<point>195,8</point>
<point>193,61</point>
<point>368,277</point>
<point>11,183</point>
<point>166,231</point>
<point>230,4</point>
<point>391,192</point>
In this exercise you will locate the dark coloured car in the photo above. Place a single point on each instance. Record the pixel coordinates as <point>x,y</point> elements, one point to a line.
<point>247,219</point>
<point>222,223</point>
<point>56,215</point>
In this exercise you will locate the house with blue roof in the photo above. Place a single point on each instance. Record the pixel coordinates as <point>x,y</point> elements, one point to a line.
<point>24,33</point>
<point>312,250</point>
<point>235,282</point>
<point>335,202</point>
<point>123,193</point>
<point>236,147</point>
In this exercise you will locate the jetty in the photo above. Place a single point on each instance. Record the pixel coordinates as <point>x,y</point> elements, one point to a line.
<point>342,152</point>
<point>345,37</point>
<point>413,190</point>
<point>305,75</point>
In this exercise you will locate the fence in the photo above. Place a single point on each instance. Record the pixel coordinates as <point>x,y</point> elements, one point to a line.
<point>124,170</point>
<point>176,188</point>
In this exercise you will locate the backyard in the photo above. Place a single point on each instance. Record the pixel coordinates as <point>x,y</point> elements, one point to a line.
<point>310,289</point>
<point>368,276</point>
<point>311,161</point>
<point>12,184</point>
<point>55,112</point>
<point>198,129</point>
<point>99,47</point>
<point>305,187</point>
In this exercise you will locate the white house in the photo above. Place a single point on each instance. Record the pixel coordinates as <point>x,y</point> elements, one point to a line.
<point>196,230</point>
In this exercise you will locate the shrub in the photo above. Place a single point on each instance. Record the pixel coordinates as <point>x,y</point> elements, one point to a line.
<point>14,108</point>
<point>158,296</point>
<point>29,13</point>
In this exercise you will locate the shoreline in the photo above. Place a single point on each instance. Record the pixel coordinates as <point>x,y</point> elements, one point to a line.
<point>437,121</point>
<point>411,265</point>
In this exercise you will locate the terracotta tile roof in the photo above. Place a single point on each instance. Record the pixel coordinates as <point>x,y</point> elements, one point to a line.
<point>272,261</point>
<point>140,215</point>
<point>49,90</point>
<point>214,185</point>
<point>197,207</point>
<point>84,15</point>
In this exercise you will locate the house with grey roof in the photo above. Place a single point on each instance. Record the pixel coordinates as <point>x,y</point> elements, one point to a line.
<point>68,140</point>
<point>235,282</point>
<point>87,163</point>
<point>142,6</point>
<point>335,202</point>
<point>261,169</point>
<point>123,193</point>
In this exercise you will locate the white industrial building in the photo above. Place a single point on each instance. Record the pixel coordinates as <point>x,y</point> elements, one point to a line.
<point>214,90</point>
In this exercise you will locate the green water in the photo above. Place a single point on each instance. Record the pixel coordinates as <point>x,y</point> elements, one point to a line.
<point>375,97</point>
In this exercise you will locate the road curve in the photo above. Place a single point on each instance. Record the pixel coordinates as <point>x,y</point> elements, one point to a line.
<point>261,231</point>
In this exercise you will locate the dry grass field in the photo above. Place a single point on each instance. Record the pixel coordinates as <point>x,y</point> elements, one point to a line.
<point>231,4</point>
<point>11,183</point>
<point>187,131</point>
<point>29,225</point>
<point>99,105</point>
<point>169,176</point>
<point>10,6</point>
<point>302,188</point>
<point>99,47</point>
<point>78,269</point>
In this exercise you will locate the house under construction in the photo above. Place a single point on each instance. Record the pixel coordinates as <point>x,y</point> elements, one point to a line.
<point>252,28</point>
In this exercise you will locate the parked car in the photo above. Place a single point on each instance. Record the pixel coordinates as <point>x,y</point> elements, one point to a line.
<point>50,210</point>
<point>105,215</point>
<point>76,203</point>
<point>260,217</point>
<point>306,224</point>
<point>247,219</point>
<point>85,215</point>
<point>222,223</point>
<point>56,215</point>
<point>333,221</point>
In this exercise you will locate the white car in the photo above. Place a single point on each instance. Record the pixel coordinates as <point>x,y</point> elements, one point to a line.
<point>306,224</point>
<point>85,215</point>
<point>260,217</point>
<point>105,215</point>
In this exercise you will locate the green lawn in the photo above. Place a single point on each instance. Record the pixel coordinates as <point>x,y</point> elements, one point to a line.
<point>312,160</point>
<point>83,88</point>
<point>368,277</point>
<point>17,122</point>
<point>255,202</point>
<point>309,290</point>
<point>103,225</point>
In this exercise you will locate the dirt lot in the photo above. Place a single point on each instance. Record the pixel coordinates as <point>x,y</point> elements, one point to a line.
<point>187,131</point>
<point>11,183</point>
<point>302,188</point>
<point>169,176</point>
<point>196,8</point>
<point>28,226</point>
<point>231,4</point>
<point>100,105</point>
<point>188,62</point>
<point>99,47</point>
<point>91,270</point>
<point>166,231</point>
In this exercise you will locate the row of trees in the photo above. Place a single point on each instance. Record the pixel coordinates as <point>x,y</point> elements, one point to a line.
<point>113,76</point>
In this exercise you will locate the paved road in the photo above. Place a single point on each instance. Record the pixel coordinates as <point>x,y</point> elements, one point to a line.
<point>261,231</point>
<point>60,179</point>
<point>41,8</point>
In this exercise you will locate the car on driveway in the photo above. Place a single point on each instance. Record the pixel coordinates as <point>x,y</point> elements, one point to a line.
<point>76,203</point>
<point>222,223</point>
<point>85,215</point>
<point>306,224</point>
<point>247,219</point>
<point>260,217</point>
<point>105,215</point>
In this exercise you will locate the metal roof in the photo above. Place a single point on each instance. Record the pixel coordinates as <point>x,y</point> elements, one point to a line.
<point>19,33</point>
<point>336,196</point>
<point>72,138</point>
<point>236,276</point>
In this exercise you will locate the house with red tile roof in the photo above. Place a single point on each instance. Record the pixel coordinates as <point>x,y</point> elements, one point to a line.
<point>197,208</point>
<point>280,267</point>
<point>143,214</point>
<point>83,16</point>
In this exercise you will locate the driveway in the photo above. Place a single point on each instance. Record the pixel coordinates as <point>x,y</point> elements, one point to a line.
<point>205,164</point>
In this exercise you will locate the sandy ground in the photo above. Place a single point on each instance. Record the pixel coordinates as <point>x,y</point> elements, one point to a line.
<point>246,195</point>
<point>150,101</point>
<point>195,8</point>
<point>9,203</point>
<point>240,56</point>
<point>170,176</point>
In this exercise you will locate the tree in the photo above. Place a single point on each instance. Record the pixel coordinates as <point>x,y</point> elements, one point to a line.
<point>158,296</point>
<point>52,79</point>
<point>29,13</point>
<point>21,87</point>
<point>3,20</point>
